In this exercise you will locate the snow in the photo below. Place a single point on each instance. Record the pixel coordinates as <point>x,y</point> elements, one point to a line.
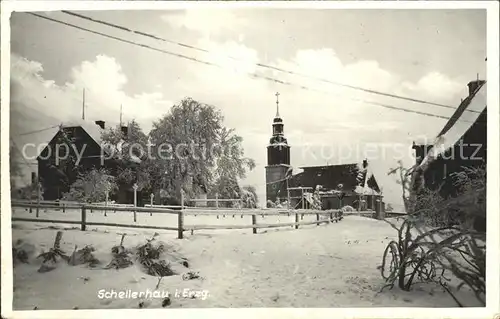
<point>278,144</point>
<point>365,190</point>
<point>90,127</point>
<point>457,131</point>
<point>332,265</point>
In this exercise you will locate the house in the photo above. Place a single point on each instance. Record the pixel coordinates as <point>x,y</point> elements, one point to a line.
<point>58,169</point>
<point>462,142</point>
<point>338,186</point>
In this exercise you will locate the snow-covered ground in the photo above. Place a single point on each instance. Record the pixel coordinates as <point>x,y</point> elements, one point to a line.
<point>333,265</point>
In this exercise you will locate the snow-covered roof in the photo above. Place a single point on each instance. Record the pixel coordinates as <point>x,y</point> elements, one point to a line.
<point>90,127</point>
<point>460,122</point>
<point>423,140</point>
<point>278,144</point>
<point>365,190</point>
<point>95,132</point>
<point>351,176</point>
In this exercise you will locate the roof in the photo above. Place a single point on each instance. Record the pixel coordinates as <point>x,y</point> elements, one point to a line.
<point>90,127</point>
<point>466,116</point>
<point>353,177</point>
<point>460,113</point>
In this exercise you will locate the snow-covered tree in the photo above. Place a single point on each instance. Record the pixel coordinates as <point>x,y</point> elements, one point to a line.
<point>15,169</point>
<point>249,197</point>
<point>196,153</point>
<point>404,180</point>
<point>316,200</point>
<point>130,153</point>
<point>270,204</point>
<point>91,187</point>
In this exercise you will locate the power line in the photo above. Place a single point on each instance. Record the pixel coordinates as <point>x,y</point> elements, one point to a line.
<point>38,131</point>
<point>25,163</point>
<point>212,64</point>
<point>109,24</point>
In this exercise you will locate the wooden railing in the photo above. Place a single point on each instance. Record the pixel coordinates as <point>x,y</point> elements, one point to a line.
<point>331,216</point>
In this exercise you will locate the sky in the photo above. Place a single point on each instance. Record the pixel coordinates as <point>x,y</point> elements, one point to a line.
<point>429,55</point>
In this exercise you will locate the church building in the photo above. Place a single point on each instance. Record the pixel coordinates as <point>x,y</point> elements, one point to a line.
<point>350,184</point>
<point>278,167</point>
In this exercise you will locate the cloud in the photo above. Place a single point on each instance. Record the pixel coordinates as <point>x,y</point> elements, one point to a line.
<point>436,86</point>
<point>103,80</point>
<point>204,21</point>
<point>231,57</point>
<point>110,75</point>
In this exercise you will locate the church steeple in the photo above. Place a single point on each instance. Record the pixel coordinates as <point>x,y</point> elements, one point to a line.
<point>278,149</point>
<point>278,160</point>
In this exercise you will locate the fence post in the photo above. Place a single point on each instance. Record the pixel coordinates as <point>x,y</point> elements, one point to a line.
<point>152,197</point>
<point>84,217</point>
<point>135,187</point>
<point>182,199</point>
<point>254,222</point>
<point>37,196</point>
<point>180,224</point>
<point>64,207</point>
<point>317,219</point>
<point>106,204</point>
<point>216,200</point>
<point>331,217</point>
<point>296,220</point>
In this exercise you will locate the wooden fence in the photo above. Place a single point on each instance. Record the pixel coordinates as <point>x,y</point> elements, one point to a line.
<point>331,216</point>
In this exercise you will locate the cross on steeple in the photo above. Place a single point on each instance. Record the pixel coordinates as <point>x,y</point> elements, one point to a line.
<point>277,104</point>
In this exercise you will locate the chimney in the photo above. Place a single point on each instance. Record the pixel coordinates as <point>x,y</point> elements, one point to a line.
<point>474,86</point>
<point>101,124</point>
<point>365,163</point>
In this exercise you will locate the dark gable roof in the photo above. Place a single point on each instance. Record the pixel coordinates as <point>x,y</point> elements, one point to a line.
<point>464,105</point>
<point>460,116</point>
<point>90,132</point>
<point>351,176</point>
<point>461,122</point>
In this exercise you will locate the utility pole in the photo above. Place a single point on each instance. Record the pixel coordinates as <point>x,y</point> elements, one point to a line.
<point>288,194</point>
<point>83,105</point>
<point>37,195</point>
<point>121,112</point>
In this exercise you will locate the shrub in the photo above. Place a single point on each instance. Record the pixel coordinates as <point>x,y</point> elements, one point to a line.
<point>91,187</point>
<point>149,255</point>
<point>249,197</point>
<point>121,256</point>
<point>270,204</point>
<point>438,238</point>
<point>84,256</point>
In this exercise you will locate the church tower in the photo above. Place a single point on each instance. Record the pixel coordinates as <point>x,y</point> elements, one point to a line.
<point>278,160</point>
